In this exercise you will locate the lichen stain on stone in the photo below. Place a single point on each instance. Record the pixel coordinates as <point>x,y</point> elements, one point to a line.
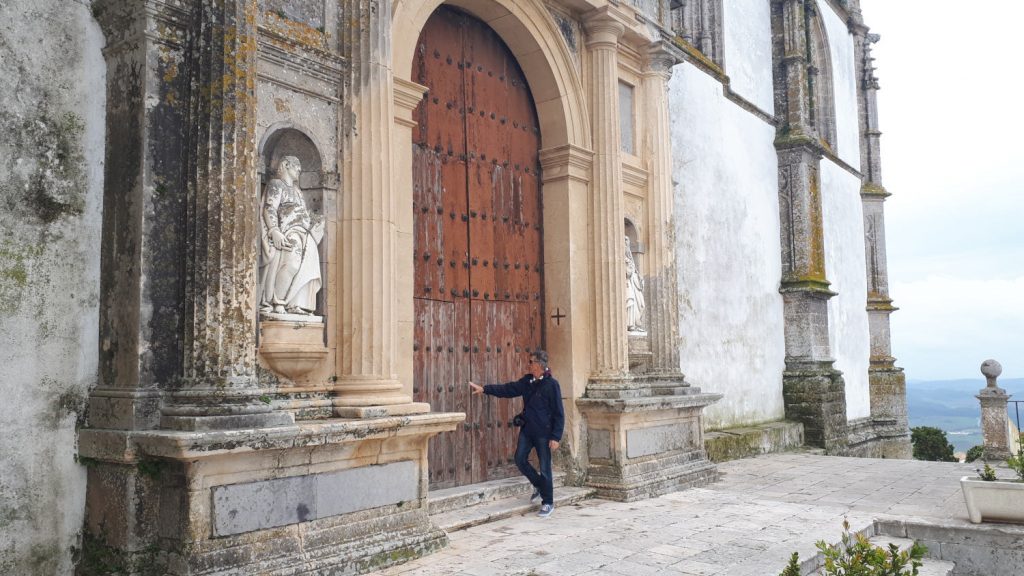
<point>16,274</point>
<point>45,176</point>
<point>294,34</point>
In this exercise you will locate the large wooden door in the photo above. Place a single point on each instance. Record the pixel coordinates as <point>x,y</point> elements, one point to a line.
<point>478,252</point>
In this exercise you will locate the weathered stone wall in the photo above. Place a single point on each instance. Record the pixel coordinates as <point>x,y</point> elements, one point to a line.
<point>727,232</point>
<point>51,150</point>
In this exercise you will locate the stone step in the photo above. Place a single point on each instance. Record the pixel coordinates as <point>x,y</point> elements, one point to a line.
<point>929,567</point>
<point>519,505</point>
<point>461,497</point>
<point>747,441</point>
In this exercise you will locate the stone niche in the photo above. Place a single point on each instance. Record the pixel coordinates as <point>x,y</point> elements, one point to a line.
<point>292,344</point>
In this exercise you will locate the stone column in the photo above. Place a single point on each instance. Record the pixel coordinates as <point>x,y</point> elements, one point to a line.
<point>218,388</point>
<point>994,421</point>
<point>662,288</point>
<point>813,391</point>
<point>368,384</point>
<point>608,268</point>
<point>886,381</point>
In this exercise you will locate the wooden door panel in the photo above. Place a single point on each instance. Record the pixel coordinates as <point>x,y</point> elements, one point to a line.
<point>437,66</point>
<point>433,355</point>
<point>464,437</point>
<point>477,243</point>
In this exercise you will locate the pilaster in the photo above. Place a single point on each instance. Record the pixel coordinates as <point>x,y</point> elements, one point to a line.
<point>368,384</point>
<point>407,95</point>
<point>644,432</point>
<point>606,213</point>
<point>662,284</point>
<point>127,396</point>
<point>813,391</point>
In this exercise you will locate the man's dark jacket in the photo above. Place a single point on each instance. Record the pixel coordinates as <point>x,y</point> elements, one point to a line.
<point>542,401</point>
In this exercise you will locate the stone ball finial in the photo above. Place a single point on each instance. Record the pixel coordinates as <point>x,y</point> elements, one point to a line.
<point>991,368</point>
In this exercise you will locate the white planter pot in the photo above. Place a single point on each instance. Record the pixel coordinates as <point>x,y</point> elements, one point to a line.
<point>996,501</point>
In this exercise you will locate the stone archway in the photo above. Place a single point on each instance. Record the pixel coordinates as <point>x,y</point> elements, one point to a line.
<point>532,36</point>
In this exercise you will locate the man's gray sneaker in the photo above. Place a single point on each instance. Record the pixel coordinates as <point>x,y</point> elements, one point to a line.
<point>546,510</point>
<point>536,494</point>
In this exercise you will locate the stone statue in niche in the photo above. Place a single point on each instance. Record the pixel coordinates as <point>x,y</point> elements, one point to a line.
<point>290,263</point>
<point>635,302</point>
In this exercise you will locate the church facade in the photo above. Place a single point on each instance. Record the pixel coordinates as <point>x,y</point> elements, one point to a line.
<point>259,247</point>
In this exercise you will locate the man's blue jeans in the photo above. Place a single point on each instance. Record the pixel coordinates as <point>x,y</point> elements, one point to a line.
<point>543,481</point>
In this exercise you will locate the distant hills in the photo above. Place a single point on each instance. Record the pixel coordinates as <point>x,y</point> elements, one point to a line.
<point>951,406</point>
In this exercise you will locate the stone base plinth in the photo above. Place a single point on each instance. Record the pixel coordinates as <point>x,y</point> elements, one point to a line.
<point>878,438</point>
<point>642,447</point>
<point>335,496</point>
<point>888,412</point>
<point>815,395</point>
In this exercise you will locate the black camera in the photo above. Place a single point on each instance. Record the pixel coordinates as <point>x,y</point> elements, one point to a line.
<point>519,420</point>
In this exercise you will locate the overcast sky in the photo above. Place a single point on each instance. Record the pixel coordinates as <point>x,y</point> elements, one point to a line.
<point>951,111</point>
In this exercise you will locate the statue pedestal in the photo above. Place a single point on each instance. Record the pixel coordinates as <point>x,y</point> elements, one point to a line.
<point>647,441</point>
<point>293,347</point>
<point>640,355</point>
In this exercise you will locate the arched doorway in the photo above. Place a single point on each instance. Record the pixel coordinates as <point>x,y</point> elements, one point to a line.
<point>477,246</point>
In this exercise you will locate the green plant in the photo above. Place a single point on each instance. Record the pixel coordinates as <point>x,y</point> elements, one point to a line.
<point>987,474</point>
<point>151,468</point>
<point>1016,463</point>
<point>975,453</point>
<point>855,556</point>
<point>931,444</point>
<point>793,568</point>
<point>265,399</point>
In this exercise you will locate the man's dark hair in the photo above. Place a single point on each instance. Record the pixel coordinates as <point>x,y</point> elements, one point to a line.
<point>540,356</point>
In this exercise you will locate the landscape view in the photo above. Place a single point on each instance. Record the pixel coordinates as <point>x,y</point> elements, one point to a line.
<point>951,405</point>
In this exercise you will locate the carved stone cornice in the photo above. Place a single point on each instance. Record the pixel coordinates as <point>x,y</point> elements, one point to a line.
<point>870,190</point>
<point>125,23</point>
<point>408,96</point>
<point>634,175</point>
<point>566,162</point>
<point>316,63</point>
<point>660,56</point>
<point>604,28</point>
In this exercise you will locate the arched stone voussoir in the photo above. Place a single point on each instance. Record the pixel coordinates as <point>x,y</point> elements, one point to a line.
<point>529,31</point>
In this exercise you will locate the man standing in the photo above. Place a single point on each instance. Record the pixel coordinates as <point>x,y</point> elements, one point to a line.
<point>542,429</point>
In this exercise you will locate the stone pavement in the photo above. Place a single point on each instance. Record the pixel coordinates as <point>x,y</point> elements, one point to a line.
<point>749,523</point>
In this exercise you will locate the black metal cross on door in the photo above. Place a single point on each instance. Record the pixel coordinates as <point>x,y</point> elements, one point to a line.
<point>557,316</point>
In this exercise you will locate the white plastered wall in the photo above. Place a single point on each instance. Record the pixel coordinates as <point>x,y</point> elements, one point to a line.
<point>727,234</point>
<point>53,110</point>
<point>748,50</point>
<point>844,85</point>
<point>843,220</point>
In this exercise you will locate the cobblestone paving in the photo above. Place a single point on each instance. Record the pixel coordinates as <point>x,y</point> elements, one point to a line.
<point>747,524</point>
